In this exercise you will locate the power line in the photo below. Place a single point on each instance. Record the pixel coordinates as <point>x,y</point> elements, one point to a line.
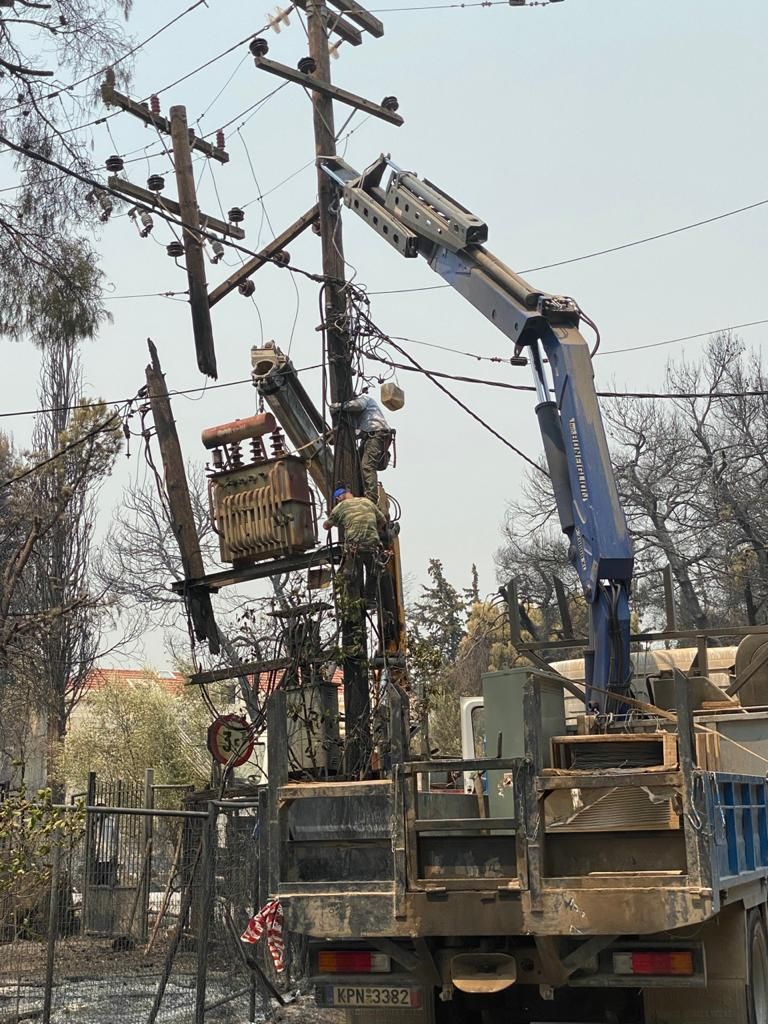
<point>124,401</point>
<point>686,337</point>
<point>751,393</point>
<point>601,252</point>
<point>445,7</point>
<point>374,331</point>
<point>146,295</point>
<point>118,60</point>
<point>199,231</point>
<point>62,451</point>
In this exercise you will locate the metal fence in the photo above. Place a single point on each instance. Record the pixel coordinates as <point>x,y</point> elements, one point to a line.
<point>134,913</point>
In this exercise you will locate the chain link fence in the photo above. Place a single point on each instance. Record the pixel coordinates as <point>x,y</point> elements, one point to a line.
<point>130,907</point>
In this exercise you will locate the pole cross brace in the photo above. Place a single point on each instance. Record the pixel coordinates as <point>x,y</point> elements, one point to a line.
<point>326,89</point>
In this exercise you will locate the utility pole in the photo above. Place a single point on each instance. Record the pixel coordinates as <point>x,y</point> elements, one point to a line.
<point>198,600</point>
<point>193,243</point>
<point>184,141</point>
<point>357,701</point>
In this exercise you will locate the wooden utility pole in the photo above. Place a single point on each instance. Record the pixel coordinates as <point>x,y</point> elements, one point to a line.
<point>357,704</point>
<point>193,243</point>
<point>182,521</point>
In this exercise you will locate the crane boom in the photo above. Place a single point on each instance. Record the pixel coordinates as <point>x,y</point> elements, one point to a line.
<point>418,219</point>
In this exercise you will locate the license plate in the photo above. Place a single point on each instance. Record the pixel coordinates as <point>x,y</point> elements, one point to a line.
<point>372,995</point>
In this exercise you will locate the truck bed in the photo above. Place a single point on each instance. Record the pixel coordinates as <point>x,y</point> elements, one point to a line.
<point>385,859</point>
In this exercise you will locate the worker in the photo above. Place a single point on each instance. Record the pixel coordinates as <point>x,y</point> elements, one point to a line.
<point>361,519</point>
<point>375,436</point>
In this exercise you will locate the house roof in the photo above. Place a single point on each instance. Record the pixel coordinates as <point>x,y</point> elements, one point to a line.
<point>98,678</point>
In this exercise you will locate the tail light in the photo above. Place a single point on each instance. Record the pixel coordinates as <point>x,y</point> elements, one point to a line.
<point>352,961</point>
<point>664,963</point>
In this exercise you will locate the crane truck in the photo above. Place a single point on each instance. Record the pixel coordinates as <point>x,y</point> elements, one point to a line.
<point>618,873</point>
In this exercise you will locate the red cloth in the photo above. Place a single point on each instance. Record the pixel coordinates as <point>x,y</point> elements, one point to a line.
<point>270,920</point>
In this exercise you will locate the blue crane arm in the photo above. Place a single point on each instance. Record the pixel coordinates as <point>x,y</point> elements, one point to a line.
<point>418,219</point>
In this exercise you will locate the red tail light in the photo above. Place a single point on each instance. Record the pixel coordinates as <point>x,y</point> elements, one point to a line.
<point>656,962</point>
<point>352,961</point>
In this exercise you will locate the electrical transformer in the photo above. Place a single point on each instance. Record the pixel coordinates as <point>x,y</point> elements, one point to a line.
<point>261,506</point>
<point>314,743</point>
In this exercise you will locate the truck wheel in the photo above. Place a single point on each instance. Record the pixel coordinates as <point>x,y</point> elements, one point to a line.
<point>757,968</point>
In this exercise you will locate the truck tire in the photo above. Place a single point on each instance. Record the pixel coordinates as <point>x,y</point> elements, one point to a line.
<point>757,968</point>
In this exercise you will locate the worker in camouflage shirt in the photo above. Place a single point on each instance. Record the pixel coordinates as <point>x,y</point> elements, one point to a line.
<point>360,521</point>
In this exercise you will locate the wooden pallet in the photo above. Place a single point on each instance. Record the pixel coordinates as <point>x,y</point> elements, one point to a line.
<point>708,751</point>
<point>633,751</point>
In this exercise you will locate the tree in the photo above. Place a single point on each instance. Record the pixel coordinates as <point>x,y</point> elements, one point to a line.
<point>691,473</point>
<point>46,257</point>
<point>129,727</point>
<point>453,637</point>
<point>49,611</point>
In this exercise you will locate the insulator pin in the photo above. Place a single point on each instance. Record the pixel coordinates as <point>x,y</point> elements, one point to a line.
<point>114,163</point>
<point>259,47</point>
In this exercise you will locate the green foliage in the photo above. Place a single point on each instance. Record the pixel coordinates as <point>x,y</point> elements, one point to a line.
<point>123,728</point>
<point>29,829</point>
<point>438,616</point>
<point>453,638</point>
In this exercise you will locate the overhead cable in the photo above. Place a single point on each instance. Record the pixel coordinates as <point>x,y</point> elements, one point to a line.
<point>599,252</point>
<point>686,337</point>
<point>100,428</point>
<point>165,394</point>
<point>156,211</point>
<point>117,60</point>
<point>751,393</point>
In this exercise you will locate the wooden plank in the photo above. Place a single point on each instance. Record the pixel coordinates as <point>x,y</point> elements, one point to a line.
<point>170,206</point>
<point>266,255</point>
<point>250,668</point>
<point>113,98</point>
<point>358,14</point>
<point>344,29</point>
<point>331,91</point>
<point>549,779</point>
<point>179,503</point>
<point>325,790</point>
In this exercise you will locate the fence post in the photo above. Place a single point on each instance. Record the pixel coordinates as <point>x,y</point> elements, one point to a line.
<point>53,920</point>
<point>207,883</point>
<point>90,800</point>
<point>149,803</point>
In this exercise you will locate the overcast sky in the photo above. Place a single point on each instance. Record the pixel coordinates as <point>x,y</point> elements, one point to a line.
<point>569,129</point>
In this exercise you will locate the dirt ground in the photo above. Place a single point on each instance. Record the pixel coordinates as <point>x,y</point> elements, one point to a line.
<point>304,1011</point>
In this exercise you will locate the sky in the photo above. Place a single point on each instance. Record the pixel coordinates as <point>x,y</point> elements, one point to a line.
<point>569,129</point>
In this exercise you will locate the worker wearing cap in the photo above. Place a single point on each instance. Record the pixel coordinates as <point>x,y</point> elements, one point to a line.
<point>375,436</point>
<point>361,519</point>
